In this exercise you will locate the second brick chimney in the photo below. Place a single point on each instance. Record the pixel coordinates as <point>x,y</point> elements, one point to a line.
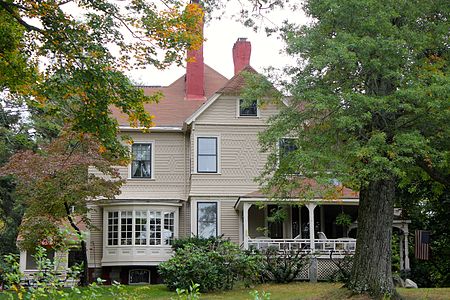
<point>242,50</point>
<point>195,72</point>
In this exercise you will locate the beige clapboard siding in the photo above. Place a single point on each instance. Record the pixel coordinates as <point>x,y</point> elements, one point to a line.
<point>185,220</point>
<point>229,220</point>
<point>169,169</point>
<point>225,111</point>
<point>95,241</point>
<point>240,161</point>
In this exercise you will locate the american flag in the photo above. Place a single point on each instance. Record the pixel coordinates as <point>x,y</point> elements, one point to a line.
<point>422,249</point>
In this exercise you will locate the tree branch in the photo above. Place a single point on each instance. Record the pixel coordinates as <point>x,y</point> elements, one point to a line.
<point>15,15</point>
<point>433,173</point>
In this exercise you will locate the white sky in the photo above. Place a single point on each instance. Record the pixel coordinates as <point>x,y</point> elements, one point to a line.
<point>220,36</point>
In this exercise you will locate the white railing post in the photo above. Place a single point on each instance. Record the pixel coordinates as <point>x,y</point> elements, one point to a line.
<point>245,215</point>
<point>311,207</point>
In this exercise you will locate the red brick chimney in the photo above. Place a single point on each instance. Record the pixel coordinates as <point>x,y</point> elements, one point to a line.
<point>242,50</point>
<point>195,73</point>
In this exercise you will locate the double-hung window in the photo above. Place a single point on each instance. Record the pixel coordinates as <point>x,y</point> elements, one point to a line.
<point>141,166</point>
<point>286,146</point>
<point>207,160</point>
<point>248,109</point>
<point>207,219</point>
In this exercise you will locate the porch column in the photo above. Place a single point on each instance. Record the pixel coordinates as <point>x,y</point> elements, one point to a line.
<point>311,207</point>
<point>407,268</point>
<point>245,215</point>
<point>402,266</point>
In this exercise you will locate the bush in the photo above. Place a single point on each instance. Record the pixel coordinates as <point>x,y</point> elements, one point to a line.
<point>282,266</point>
<point>197,241</point>
<point>215,265</point>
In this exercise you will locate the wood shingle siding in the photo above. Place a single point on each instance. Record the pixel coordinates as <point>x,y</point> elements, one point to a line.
<point>240,161</point>
<point>225,111</point>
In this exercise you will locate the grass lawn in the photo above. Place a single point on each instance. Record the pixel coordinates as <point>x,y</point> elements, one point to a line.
<point>299,290</point>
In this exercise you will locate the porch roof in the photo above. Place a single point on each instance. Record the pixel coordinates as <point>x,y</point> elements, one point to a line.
<point>264,199</point>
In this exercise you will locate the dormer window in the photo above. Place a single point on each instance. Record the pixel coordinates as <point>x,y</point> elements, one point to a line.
<point>248,109</point>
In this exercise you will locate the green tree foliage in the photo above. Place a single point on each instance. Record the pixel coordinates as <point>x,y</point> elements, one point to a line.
<point>14,136</point>
<point>66,61</point>
<point>368,107</point>
<point>56,189</point>
<point>429,210</point>
<point>83,48</point>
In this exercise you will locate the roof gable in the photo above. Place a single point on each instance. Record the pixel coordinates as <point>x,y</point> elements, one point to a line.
<point>174,109</point>
<point>235,85</point>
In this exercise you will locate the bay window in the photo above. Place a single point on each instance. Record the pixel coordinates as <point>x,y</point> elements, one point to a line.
<point>113,228</point>
<point>140,227</point>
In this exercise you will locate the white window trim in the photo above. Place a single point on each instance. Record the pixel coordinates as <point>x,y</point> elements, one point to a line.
<point>194,215</point>
<point>161,209</point>
<point>278,148</point>
<point>219,149</point>
<point>152,142</point>
<point>238,110</point>
<point>62,257</point>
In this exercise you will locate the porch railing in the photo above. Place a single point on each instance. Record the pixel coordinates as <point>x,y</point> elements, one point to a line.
<point>339,246</point>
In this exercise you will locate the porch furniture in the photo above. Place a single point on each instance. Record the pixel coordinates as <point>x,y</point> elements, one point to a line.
<point>323,243</point>
<point>347,244</point>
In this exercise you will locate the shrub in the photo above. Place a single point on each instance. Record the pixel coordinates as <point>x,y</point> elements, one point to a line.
<point>197,241</point>
<point>216,265</point>
<point>344,268</point>
<point>282,266</point>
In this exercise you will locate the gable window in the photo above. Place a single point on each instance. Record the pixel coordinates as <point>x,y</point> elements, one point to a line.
<point>141,166</point>
<point>206,219</point>
<point>248,109</point>
<point>207,154</point>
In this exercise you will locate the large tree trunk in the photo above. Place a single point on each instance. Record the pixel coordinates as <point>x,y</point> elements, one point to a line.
<point>371,272</point>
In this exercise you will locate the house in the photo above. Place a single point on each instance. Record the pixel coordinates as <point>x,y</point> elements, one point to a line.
<point>193,174</point>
